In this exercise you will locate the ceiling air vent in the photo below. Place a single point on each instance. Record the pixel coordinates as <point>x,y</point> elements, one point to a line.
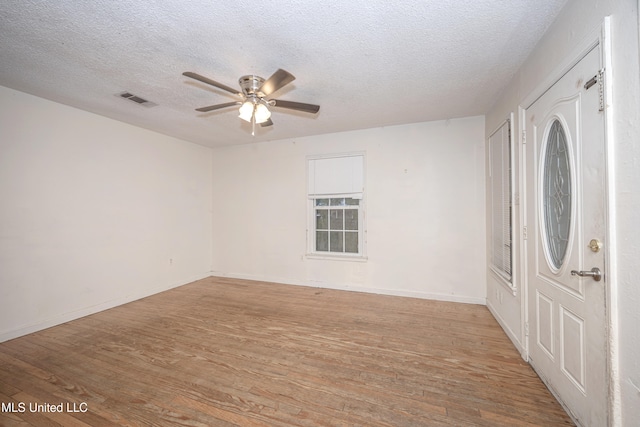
<point>133,98</point>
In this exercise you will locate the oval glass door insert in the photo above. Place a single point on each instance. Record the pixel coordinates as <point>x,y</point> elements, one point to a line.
<point>556,195</point>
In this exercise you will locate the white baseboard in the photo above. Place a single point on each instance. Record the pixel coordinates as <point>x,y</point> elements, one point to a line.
<point>505,327</point>
<point>86,311</point>
<point>355,288</point>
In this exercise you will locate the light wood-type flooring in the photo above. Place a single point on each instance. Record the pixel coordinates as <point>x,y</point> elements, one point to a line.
<point>223,352</point>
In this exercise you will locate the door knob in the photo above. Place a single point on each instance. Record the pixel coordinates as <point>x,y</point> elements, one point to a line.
<point>594,272</point>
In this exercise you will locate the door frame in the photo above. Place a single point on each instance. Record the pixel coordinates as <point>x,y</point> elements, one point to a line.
<point>599,39</point>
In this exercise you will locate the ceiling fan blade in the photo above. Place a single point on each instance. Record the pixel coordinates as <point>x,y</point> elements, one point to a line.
<point>300,106</point>
<point>217,106</point>
<point>211,82</point>
<point>267,123</point>
<point>277,80</point>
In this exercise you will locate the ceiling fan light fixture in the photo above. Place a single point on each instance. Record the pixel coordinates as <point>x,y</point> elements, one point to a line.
<point>246,111</point>
<point>255,101</point>
<point>262,113</point>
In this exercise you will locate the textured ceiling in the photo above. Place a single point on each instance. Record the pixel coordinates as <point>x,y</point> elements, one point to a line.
<point>368,63</point>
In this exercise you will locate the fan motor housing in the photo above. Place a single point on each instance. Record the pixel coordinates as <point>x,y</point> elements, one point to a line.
<point>250,85</point>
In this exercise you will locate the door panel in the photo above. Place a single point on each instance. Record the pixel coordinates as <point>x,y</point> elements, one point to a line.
<point>572,357</point>
<point>544,325</point>
<point>564,183</point>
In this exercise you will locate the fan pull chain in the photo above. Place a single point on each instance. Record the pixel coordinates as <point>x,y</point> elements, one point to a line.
<point>253,121</point>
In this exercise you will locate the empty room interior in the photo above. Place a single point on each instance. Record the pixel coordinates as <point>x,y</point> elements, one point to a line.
<point>289,213</point>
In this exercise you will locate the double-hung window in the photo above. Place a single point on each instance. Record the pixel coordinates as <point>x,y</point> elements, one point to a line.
<point>336,205</point>
<point>337,225</point>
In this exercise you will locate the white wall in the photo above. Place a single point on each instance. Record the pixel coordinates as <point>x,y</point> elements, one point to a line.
<point>91,213</point>
<point>424,195</point>
<point>576,21</point>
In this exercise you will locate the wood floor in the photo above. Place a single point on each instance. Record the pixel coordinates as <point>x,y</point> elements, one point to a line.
<point>222,352</point>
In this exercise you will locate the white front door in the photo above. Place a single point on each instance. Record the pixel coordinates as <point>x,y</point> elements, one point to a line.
<point>565,218</point>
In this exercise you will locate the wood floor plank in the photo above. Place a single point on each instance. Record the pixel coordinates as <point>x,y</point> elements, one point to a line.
<point>228,352</point>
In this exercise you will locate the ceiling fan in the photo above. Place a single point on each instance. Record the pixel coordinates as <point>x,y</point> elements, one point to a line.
<point>255,103</point>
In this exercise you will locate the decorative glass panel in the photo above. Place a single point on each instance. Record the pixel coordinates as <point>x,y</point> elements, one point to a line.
<point>556,194</point>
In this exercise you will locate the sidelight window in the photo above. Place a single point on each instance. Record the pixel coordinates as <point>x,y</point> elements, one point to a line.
<point>500,175</point>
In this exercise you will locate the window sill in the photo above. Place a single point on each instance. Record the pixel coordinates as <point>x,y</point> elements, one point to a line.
<point>504,282</point>
<point>332,257</point>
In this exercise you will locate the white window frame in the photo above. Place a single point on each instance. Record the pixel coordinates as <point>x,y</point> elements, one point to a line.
<point>312,253</point>
<point>501,207</point>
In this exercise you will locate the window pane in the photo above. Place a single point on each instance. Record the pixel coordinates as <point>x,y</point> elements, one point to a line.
<point>351,242</point>
<point>337,219</point>
<point>335,239</point>
<point>322,219</point>
<point>337,202</point>
<point>350,219</point>
<point>322,241</point>
<point>352,202</point>
<point>322,202</point>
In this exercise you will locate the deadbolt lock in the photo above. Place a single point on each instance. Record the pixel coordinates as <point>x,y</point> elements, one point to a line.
<point>595,245</point>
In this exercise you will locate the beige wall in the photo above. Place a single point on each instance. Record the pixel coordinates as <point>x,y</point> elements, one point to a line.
<point>424,196</point>
<point>93,213</point>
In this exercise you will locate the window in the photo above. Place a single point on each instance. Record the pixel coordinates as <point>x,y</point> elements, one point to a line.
<point>336,206</point>
<point>337,225</point>
<point>500,175</point>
